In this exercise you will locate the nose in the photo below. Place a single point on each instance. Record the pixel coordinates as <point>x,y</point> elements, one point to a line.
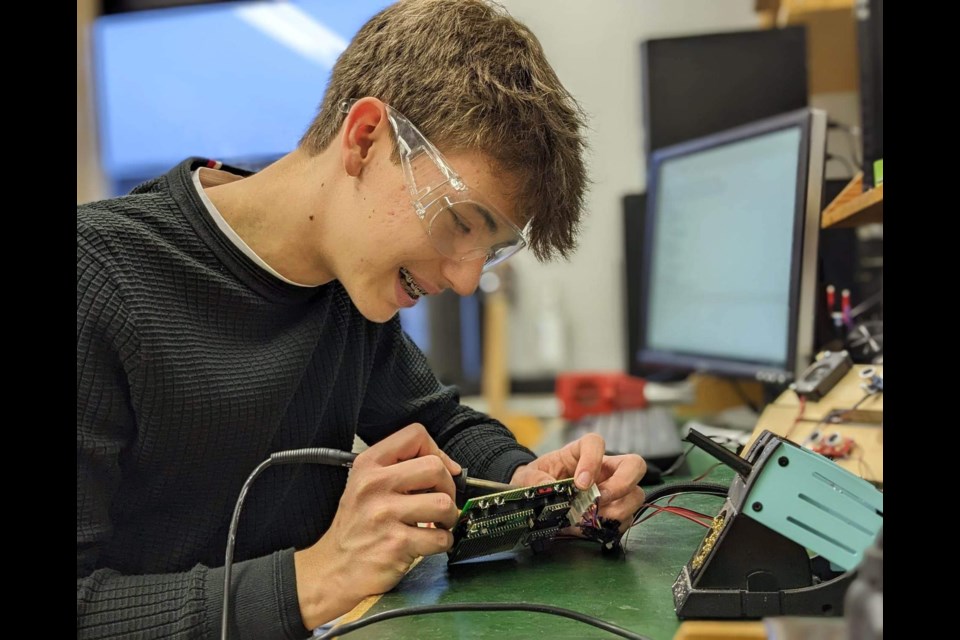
<point>463,276</point>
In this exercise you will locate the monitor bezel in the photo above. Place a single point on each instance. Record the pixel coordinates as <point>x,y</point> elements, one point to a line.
<point>803,273</point>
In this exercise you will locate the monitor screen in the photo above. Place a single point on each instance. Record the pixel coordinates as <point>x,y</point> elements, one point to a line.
<point>697,85</point>
<point>728,267</point>
<point>235,81</point>
<point>449,330</point>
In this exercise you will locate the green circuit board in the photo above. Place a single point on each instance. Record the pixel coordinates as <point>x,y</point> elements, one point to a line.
<point>509,520</point>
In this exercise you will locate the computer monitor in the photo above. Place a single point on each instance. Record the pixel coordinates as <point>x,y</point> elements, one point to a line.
<point>869,14</point>
<point>449,330</point>
<point>697,85</point>
<point>236,81</point>
<point>729,256</point>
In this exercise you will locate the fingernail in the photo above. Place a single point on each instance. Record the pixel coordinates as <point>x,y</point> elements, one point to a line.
<point>584,479</point>
<point>456,466</point>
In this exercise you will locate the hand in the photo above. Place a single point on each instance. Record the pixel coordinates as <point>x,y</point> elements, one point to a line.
<point>585,461</point>
<point>374,538</point>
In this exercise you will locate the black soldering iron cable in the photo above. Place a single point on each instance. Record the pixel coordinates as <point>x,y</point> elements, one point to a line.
<point>315,455</point>
<point>481,606</point>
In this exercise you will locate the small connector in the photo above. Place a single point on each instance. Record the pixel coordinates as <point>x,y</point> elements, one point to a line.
<point>581,503</point>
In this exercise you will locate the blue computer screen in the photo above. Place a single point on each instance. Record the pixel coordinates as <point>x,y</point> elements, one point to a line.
<point>236,81</point>
<point>720,282</point>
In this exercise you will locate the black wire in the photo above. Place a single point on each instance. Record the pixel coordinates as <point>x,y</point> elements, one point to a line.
<point>707,488</point>
<point>839,416</point>
<point>481,606</point>
<point>314,455</point>
<point>231,539</point>
<point>861,400</point>
<point>676,463</point>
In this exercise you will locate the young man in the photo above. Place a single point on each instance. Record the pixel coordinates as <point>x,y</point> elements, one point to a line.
<point>223,316</point>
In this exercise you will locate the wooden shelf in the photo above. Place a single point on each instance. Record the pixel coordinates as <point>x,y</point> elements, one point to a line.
<point>790,11</point>
<point>854,206</point>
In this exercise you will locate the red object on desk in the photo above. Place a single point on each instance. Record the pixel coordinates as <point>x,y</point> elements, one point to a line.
<point>592,393</point>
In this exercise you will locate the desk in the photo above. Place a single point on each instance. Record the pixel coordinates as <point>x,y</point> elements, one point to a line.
<point>783,418</point>
<point>631,591</point>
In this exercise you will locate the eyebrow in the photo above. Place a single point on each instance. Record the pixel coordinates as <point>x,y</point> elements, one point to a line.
<point>488,219</point>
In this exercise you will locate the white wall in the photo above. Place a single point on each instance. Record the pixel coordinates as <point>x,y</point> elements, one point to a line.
<point>89,177</point>
<point>594,46</point>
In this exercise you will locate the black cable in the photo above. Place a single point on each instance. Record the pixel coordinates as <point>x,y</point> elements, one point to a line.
<point>481,606</point>
<point>316,455</point>
<point>706,488</point>
<point>231,539</point>
<point>861,400</point>
<point>676,463</point>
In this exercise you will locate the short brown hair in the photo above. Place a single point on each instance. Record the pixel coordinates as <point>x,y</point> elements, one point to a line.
<point>471,77</point>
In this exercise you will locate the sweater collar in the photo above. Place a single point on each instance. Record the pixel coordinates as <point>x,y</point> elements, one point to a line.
<point>180,179</point>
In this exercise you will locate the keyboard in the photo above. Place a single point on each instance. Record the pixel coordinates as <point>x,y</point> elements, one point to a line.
<point>652,433</point>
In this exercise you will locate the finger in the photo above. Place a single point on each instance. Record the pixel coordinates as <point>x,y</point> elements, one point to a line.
<point>588,452</point>
<point>532,477</point>
<point>425,541</point>
<point>623,473</point>
<point>427,507</point>
<point>410,442</point>
<point>425,474</point>
<point>624,508</point>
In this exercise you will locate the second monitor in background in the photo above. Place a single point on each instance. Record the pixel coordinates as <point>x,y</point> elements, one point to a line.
<point>697,85</point>
<point>449,330</point>
<point>729,256</point>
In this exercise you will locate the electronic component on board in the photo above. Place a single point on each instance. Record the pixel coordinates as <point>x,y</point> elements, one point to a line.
<point>527,517</point>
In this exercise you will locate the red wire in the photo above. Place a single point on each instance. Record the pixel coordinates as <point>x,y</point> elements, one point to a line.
<point>695,514</point>
<point>796,421</point>
<point>675,511</point>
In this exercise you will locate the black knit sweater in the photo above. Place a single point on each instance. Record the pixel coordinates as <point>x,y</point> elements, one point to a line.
<point>193,365</point>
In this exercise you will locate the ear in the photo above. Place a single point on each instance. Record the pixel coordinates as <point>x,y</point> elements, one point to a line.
<point>365,130</point>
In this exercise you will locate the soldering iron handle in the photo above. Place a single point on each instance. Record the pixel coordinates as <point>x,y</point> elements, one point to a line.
<point>315,455</point>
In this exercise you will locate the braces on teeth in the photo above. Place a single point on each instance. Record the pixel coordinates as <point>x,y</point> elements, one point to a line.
<point>412,283</point>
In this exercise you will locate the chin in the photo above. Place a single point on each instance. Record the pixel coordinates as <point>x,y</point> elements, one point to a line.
<point>375,310</point>
<point>374,303</point>
<point>380,317</point>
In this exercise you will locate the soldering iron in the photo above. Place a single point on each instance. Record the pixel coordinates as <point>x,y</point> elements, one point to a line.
<point>329,457</point>
<point>338,458</point>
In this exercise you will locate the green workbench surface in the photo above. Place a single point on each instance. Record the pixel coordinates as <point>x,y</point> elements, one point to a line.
<point>631,590</point>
